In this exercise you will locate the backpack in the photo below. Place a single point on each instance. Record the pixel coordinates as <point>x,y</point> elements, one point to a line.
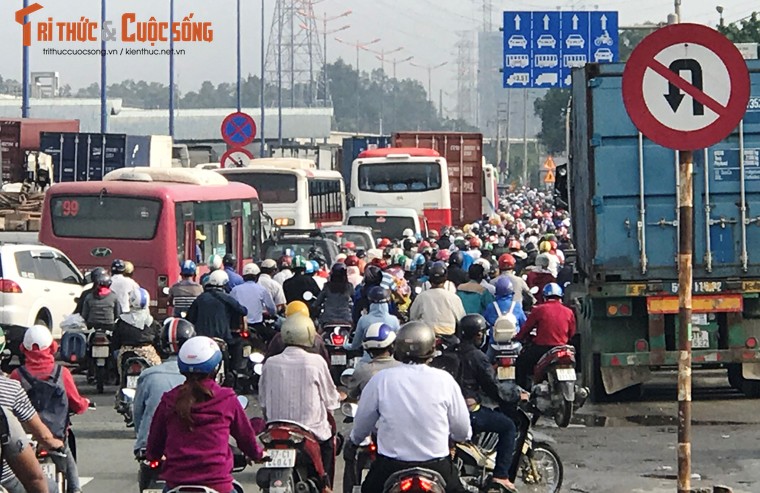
<point>49,398</point>
<point>450,361</point>
<point>505,326</point>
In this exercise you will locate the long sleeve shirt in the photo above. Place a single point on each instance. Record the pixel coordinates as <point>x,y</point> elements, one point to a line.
<point>439,309</point>
<point>554,324</point>
<point>255,298</point>
<point>296,386</point>
<point>153,383</point>
<point>41,364</point>
<point>416,409</point>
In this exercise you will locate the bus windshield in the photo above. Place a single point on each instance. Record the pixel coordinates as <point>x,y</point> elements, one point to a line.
<point>273,188</point>
<point>399,177</point>
<point>105,216</point>
<point>384,226</point>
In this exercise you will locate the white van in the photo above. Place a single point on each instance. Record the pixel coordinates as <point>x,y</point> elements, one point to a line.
<point>387,222</point>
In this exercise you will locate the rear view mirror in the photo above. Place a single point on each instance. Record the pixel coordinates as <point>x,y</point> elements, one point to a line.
<point>308,296</point>
<point>256,358</point>
<point>165,291</point>
<point>243,400</point>
<point>534,290</point>
<point>258,368</point>
<point>347,377</point>
<point>349,409</point>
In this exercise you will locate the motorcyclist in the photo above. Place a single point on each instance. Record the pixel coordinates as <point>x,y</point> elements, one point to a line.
<point>555,326</point>
<point>214,313</point>
<point>354,273</point>
<point>378,342</point>
<point>437,307</point>
<point>373,276</point>
<point>379,312</point>
<point>296,386</point>
<point>229,261</point>
<point>121,284</point>
<point>94,275</point>
<point>285,263</point>
<point>506,302</point>
<point>415,410</point>
<point>522,294</point>
<point>101,308</point>
<point>256,299</point>
<point>475,298</point>
<point>300,283</point>
<point>457,274</point>
<point>335,302</point>
<point>214,264</point>
<point>540,276</point>
<point>313,269</point>
<point>277,346</point>
<point>193,423</point>
<point>183,293</point>
<point>478,379</point>
<point>136,331</point>
<point>155,381</point>
<point>268,270</point>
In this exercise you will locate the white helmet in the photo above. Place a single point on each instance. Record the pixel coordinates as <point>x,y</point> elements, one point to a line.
<point>407,233</point>
<point>379,336</point>
<point>199,355</point>
<point>39,335</point>
<point>218,278</point>
<point>485,263</point>
<point>251,269</point>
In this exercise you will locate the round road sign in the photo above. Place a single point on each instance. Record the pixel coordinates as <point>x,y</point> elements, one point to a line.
<point>236,158</point>
<point>238,129</point>
<point>686,86</point>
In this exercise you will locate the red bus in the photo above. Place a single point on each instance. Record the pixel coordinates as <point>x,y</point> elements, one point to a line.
<point>155,218</point>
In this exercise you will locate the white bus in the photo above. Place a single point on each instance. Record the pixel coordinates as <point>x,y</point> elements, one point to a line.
<point>403,177</point>
<point>490,189</point>
<point>294,192</point>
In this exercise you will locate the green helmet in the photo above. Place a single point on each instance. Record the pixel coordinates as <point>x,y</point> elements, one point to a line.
<point>299,262</point>
<point>2,340</point>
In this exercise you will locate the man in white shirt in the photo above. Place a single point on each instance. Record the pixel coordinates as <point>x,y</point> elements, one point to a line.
<point>415,410</point>
<point>438,307</point>
<point>285,271</point>
<point>122,283</point>
<point>268,269</point>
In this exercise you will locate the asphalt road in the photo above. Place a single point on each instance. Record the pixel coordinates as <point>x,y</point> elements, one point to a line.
<point>611,448</point>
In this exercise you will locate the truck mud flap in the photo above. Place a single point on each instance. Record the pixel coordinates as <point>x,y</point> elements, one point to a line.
<point>751,371</point>
<point>617,379</point>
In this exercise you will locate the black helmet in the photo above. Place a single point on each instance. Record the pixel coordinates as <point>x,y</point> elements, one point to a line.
<point>378,294</point>
<point>457,258</point>
<point>415,340</point>
<point>438,273</point>
<point>373,275</point>
<point>118,266</point>
<point>471,325</point>
<point>229,260</point>
<point>174,333</point>
<point>103,280</point>
<point>96,273</point>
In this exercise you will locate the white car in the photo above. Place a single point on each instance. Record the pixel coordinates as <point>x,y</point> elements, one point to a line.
<point>546,41</point>
<point>603,55</point>
<point>575,40</point>
<point>517,40</point>
<point>38,285</point>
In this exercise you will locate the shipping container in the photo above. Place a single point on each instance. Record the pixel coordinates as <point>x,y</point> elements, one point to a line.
<point>464,156</point>
<point>353,146</point>
<point>90,156</point>
<point>18,135</point>
<point>623,196</point>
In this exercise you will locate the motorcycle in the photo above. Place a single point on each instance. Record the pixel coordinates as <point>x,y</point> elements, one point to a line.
<point>554,390</point>
<point>101,360</point>
<point>504,352</point>
<point>536,466</point>
<point>132,366</point>
<point>53,465</point>
<point>415,480</point>
<point>334,336</point>
<point>366,452</point>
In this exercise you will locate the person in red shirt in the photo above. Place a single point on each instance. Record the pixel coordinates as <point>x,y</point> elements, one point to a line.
<point>540,276</point>
<point>554,324</point>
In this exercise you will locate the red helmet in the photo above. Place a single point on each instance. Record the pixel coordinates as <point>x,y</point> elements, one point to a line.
<point>380,263</point>
<point>350,245</point>
<point>443,255</point>
<point>506,262</point>
<point>423,244</point>
<point>475,242</point>
<point>514,245</point>
<point>352,261</point>
<point>383,243</point>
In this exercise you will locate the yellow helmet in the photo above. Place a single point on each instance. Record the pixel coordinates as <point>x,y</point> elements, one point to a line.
<point>295,307</point>
<point>544,247</point>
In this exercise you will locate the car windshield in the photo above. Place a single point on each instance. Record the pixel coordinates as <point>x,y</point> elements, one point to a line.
<point>384,226</point>
<point>360,240</point>
<point>304,248</point>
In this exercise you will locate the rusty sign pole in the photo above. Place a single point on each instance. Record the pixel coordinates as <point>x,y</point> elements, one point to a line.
<point>686,241</point>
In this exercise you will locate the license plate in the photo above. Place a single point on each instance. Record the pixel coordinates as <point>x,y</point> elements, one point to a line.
<point>338,359</point>
<point>281,458</point>
<point>246,351</point>
<point>100,362</point>
<point>48,470</point>
<point>100,351</point>
<point>132,381</point>
<point>565,374</point>
<point>152,491</point>
<point>700,339</point>
<point>505,372</point>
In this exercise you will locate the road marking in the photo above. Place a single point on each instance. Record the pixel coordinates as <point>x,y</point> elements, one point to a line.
<point>84,481</point>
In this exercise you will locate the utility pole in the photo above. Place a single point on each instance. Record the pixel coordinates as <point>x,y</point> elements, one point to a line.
<point>359,46</point>
<point>678,11</point>
<point>525,137</point>
<point>262,149</point>
<point>103,79</point>
<point>429,69</point>
<point>396,61</point>
<point>239,59</point>
<point>171,71</point>
<point>325,32</point>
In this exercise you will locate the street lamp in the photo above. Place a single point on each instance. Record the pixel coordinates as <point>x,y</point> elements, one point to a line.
<point>325,19</point>
<point>429,69</point>
<point>396,61</point>
<point>382,54</point>
<point>719,8</point>
<point>359,46</point>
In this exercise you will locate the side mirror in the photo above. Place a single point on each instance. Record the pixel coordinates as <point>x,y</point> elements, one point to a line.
<point>349,409</point>
<point>347,377</point>
<point>129,394</point>
<point>525,277</point>
<point>243,400</point>
<point>418,289</point>
<point>256,358</point>
<point>258,368</point>
<point>165,291</point>
<point>308,296</point>
<point>87,279</point>
<point>534,290</point>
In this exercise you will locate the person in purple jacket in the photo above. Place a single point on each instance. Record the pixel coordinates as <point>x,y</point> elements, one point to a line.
<point>193,423</point>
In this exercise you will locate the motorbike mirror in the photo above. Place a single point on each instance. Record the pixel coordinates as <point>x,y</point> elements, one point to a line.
<point>525,277</point>
<point>534,290</point>
<point>129,393</point>
<point>347,376</point>
<point>243,400</point>
<point>349,409</point>
<point>258,368</point>
<point>165,291</point>
<point>418,290</point>
<point>256,358</point>
<point>308,296</point>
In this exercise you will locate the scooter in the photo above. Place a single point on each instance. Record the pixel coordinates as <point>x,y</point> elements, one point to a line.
<point>101,363</point>
<point>334,336</point>
<point>54,466</point>
<point>504,352</point>
<point>555,391</point>
<point>366,453</point>
<point>132,366</point>
<point>415,480</point>
<point>536,466</point>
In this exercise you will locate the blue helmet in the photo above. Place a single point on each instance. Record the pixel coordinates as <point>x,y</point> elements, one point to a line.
<point>504,287</point>
<point>311,266</point>
<point>200,355</point>
<point>188,268</point>
<point>379,336</point>
<point>552,290</point>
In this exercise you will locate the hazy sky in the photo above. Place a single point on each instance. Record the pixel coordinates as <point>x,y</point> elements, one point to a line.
<point>426,29</point>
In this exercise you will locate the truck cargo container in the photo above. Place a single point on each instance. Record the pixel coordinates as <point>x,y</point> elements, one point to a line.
<point>624,206</point>
<point>90,156</point>
<point>19,135</point>
<point>355,145</point>
<point>464,155</point>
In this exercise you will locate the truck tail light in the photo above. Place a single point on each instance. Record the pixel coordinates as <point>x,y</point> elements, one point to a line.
<point>7,286</point>
<point>642,346</point>
<point>751,343</point>
<point>619,309</point>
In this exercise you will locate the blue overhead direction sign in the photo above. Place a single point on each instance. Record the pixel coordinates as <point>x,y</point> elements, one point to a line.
<point>541,48</point>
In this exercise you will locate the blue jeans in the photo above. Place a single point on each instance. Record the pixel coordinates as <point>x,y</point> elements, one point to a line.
<point>489,420</point>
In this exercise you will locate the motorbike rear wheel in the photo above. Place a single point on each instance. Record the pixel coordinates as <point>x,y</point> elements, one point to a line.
<point>541,472</point>
<point>564,414</point>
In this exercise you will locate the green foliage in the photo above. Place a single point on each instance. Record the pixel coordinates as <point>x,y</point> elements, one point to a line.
<point>552,109</point>
<point>746,31</point>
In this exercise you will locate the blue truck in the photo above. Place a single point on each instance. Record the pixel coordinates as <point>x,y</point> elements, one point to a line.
<point>622,192</point>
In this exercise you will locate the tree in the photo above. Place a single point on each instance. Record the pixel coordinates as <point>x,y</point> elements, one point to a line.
<point>746,31</point>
